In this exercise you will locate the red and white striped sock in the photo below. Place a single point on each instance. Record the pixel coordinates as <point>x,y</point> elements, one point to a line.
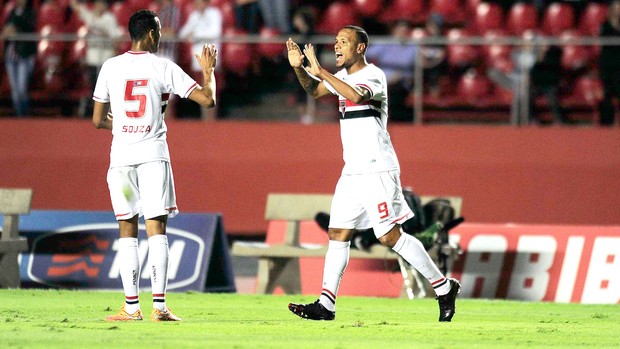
<point>412,250</point>
<point>158,264</point>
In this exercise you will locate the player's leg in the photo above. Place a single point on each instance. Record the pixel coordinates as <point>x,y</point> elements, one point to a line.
<point>159,200</point>
<point>122,182</point>
<point>387,211</point>
<point>343,219</point>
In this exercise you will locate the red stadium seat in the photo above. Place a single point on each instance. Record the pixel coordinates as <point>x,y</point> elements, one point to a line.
<point>49,47</point>
<point>269,50</point>
<point>368,8</point>
<point>50,14</point>
<point>488,16</point>
<point>337,15</point>
<point>474,88</point>
<point>558,17</point>
<point>154,6</point>
<point>408,10</point>
<point>6,11</point>
<point>586,93</point>
<point>592,18</point>
<point>497,55</point>
<point>472,5</point>
<point>522,17</point>
<point>122,11</point>
<point>135,5</point>
<point>452,11</point>
<point>76,53</point>
<point>590,88</point>
<point>48,61</point>
<point>574,56</point>
<point>228,14</point>
<point>460,55</point>
<point>236,57</point>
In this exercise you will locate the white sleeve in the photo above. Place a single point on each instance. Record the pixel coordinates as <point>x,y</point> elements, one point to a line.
<point>373,84</point>
<point>327,84</point>
<point>177,81</point>
<point>329,87</point>
<point>101,93</point>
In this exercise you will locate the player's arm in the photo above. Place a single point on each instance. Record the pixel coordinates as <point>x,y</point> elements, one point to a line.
<point>313,87</point>
<point>205,96</point>
<point>100,116</point>
<point>353,93</point>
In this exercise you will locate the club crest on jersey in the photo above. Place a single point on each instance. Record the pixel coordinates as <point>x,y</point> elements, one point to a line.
<point>343,106</point>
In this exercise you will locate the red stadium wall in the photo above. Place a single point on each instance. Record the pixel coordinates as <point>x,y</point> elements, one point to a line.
<point>526,175</point>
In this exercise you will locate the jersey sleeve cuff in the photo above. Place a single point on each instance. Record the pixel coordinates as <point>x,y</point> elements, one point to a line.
<point>100,100</point>
<point>190,89</point>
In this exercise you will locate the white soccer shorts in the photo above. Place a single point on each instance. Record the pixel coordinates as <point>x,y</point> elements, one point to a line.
<point>369,200</point>
<point>146,189</point>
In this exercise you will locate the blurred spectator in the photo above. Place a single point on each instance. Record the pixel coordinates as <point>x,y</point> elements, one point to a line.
<point>537,71</point>
<point>247,15</point>
<point>397,61</point>
<point>19,56</point>
<point>609,64</point>
<point>170,19</point>
<point>434,56</point>
<point>204,24</point>
<point>102,30</point>
<point>303,30</point>
<point>276,14</point>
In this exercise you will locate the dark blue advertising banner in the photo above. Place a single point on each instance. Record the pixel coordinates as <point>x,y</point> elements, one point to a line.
<point>78,249</point>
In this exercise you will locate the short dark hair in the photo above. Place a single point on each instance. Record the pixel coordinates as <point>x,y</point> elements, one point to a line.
<point>141,23</point>
<point>360,33</point>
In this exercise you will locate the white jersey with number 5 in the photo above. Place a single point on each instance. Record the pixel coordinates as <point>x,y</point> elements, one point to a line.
<point>137,86</point>
<point>366,144</point>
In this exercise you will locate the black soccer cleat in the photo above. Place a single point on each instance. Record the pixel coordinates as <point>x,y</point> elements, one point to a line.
<point>447,308</point>
<point>312,311</point>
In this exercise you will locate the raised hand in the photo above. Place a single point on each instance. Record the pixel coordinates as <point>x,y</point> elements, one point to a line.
<point>208,58</point>
<point>313,67</point>
<point>295,57</point>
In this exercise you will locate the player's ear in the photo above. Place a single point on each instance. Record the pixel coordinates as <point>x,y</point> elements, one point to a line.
<point>361,47</point>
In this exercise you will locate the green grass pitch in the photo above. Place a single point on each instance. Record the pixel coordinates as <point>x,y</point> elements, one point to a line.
<point>74,319</point>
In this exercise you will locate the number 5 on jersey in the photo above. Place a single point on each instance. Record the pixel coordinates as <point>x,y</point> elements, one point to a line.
<point>131,95</point>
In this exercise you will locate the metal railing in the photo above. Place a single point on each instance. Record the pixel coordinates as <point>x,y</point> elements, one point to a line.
<point>418,72</point>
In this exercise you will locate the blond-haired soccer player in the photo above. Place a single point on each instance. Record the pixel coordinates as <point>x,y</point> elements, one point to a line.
<point>368,193</point>
<point>130,96</point>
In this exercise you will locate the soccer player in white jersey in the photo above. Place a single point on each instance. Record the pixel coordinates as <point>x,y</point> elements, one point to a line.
<point>130,99</point>
<point>368,193</point>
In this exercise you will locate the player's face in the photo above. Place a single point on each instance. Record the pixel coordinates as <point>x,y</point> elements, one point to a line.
<point>348,50</point>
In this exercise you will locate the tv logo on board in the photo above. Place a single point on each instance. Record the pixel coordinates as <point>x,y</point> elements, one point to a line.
<point>86,256</point>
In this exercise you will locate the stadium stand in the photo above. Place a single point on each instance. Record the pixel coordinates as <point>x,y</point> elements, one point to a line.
<point>452,11</point>
<point>522,17</point>
<point>270,51</point>
<point>335,16</point>
<point>488,16</point>
<point>491,20</point>
<point>557,18</point>
<point>592,18</point>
